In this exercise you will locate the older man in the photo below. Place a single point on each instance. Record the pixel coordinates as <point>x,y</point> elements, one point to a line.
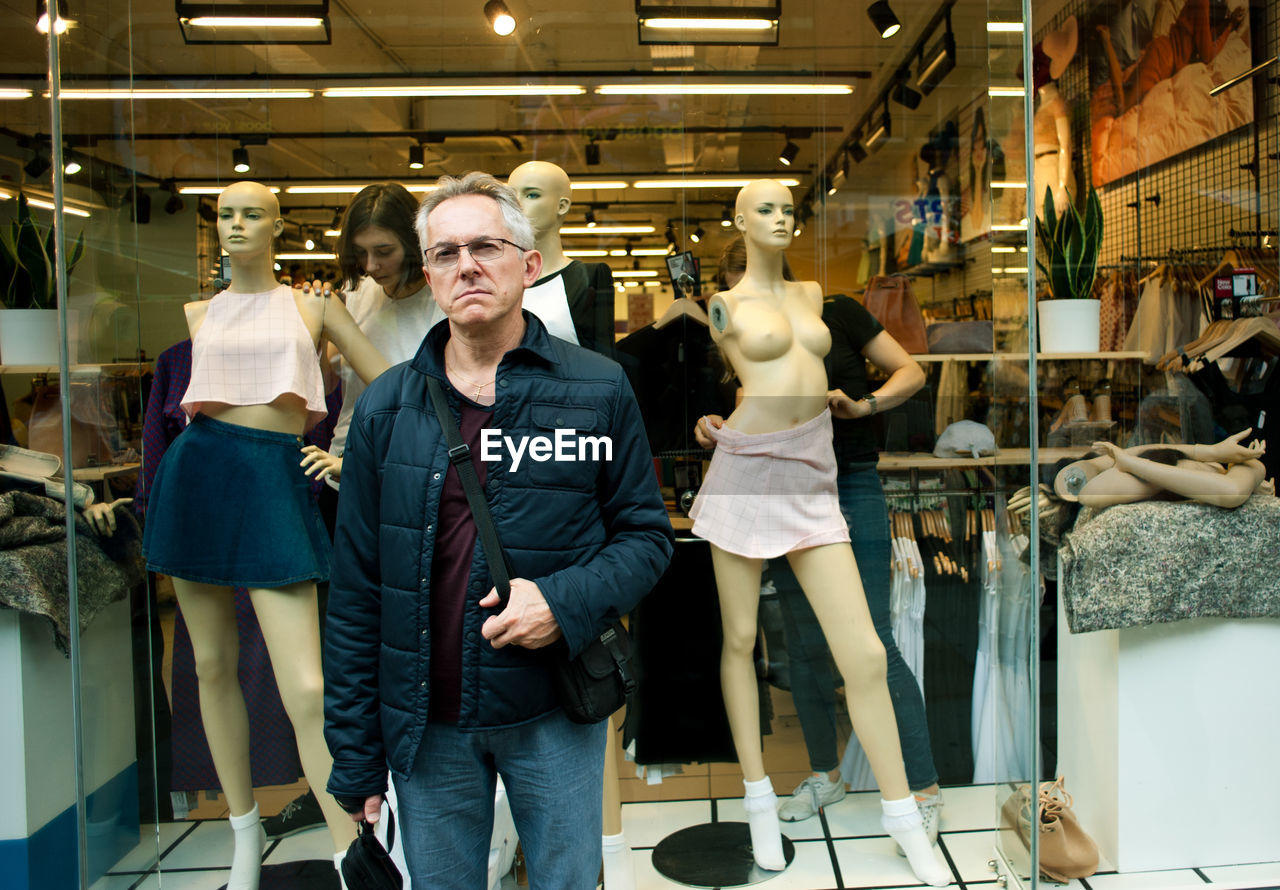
<point>422,673</point>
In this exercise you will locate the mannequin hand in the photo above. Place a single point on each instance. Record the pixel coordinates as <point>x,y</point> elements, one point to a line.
<point>1267,486</point>
<point>1020,502</point>
<point>318,288</point>
<point>1123,459</point>
<point>701,430</point>
<point>1230,451</point>
<point>526,621</point>
<point>1237,17</point>
<point>321,464</point>
<point>846,408</point>
<point>103,516</point>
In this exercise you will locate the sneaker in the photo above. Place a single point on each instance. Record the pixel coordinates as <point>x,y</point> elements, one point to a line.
<point>298,815</point>
<point>811,795</point>
<point>931,812</point>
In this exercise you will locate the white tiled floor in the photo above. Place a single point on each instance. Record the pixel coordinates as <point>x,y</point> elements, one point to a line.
<point>843,849</point>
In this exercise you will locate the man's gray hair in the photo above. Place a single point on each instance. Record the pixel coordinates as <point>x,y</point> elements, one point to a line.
<point>477,183</point>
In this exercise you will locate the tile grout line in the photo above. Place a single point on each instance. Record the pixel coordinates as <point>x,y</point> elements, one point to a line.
<point>831,847</point>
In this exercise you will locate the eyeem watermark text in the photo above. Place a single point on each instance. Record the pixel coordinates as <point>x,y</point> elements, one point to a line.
<point>566,447</point>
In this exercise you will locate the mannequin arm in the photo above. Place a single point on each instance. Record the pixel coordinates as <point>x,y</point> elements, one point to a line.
<point>1063,125</point>
<point>102,516</point>
<point>321,464</point>
<point>341,330</point>
<point>1199,482</point>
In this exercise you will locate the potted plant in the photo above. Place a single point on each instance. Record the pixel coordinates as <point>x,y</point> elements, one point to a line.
<point>28,289</point>
<point>1067,255</point>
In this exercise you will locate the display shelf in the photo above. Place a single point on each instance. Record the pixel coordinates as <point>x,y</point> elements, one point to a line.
<point>98,474</point>
<point>1022,356</point>
<point>103,368</point>
<point>928,270</point>
<point>1004,458</point>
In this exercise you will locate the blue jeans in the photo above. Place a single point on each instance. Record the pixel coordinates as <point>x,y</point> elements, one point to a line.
<point>813,673</point>
<point>553,771</point>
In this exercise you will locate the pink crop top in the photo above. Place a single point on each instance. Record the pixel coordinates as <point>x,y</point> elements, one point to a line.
<point>252,349</point>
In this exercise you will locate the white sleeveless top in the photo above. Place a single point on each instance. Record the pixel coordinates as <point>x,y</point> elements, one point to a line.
<point>252,349</point>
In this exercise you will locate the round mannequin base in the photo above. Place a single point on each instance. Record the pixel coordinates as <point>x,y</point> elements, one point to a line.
<point>714,855</point>
<point>304,874</point>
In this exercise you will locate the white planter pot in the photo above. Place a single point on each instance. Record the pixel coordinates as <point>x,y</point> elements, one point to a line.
<point>1069,325</point>
<point>30,336</point>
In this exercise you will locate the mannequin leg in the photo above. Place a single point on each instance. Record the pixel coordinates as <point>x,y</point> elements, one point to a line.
<point>210,613</point>
<point>738,582</point>
<point>290,627</point>
<point>830,579</point>
<point>619,873</point>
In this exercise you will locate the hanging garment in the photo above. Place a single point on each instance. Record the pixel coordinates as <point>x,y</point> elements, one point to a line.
<point>1254,405</point>
<point>1167,316</point>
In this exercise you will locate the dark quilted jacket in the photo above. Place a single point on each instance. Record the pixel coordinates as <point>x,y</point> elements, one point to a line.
<point>594,536</point>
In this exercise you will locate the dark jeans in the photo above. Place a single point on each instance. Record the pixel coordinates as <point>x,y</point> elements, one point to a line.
<point>813,673</point>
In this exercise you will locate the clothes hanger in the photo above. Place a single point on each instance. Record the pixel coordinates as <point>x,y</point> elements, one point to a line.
<point>683,306</point>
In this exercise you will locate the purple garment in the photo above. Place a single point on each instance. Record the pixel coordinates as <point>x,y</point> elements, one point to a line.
<point>273,753</point>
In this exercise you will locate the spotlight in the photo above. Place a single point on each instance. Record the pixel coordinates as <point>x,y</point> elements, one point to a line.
<point>206,211</point>
<point>139,206</point>
<point>697,235</point>
<point>592,153</point>
<point>903,94</point>
<point>937,61</point>
<point>591,219</point>
<point>310,243</point>
<point>499,17</point>
<point>337,220</point>
<point>856,151</point>
<point>42,17</point>
<point>671,235</point>
<point>73,165</point>
<point>882,17</point>
<point>174,204</point>
<point>240,160</point>
<point>726,217</point>
<point>838,178</point>
<point>40,163</point>
<point>416,159</point>
<point>788,153</point>
<point>880,130</point>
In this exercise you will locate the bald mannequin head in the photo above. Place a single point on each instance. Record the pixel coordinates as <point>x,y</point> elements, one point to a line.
<point>765,215</point>
<point>253,192</point>
<point>545,196</point>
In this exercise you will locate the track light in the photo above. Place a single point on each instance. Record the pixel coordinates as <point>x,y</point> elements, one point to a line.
<point>670,234</point>
<point>174,204</point>
<point>726,216</point>
<point>903,94</point>
<point>880,130</point>
<point>42,17</point>
<point>838,178</point>
<point>240,160</point>
<point>697,235</point>
<point>591,218</point>
<point>882,17</point>
<point>40,163</point>
<point>856,151</point>
<point>416,158</point>
<point>937,61</point>
<point>788,154</point>
<point>310,243</point>
<point>500,18</point>
<point>592,153</point>
<point>73,165</point>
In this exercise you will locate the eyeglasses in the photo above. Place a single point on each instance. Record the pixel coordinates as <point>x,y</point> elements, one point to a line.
<point>482,250</point>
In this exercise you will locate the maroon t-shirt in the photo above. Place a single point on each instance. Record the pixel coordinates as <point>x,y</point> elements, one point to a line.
<point>451,573</point>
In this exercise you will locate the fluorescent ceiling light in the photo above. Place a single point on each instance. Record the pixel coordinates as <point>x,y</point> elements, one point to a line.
<point>1012,92</point>
<point>15,93</point>
<point>668,24</point>
<point>635,273</point>
<point>456,90</point>
<point>1004,27</point>
<point>630,284</point>
<point>306,256</point>
<point>1007,184</point>
<point>1009,228</point>
<point>999,249</point>
<point>214,189</point>
<point>212,93</point>
<point>649,251</point>
<point>652,283</point>
<point>590,253</point>
<point>1012,270</point>
<point>340,189</point>
<point>598,184</point>
<point>332,233</point>
<point>705,183</point>
<point>47,205</point>
<point>244,21</point>
<point>724,89</point>
<point>608,230</point>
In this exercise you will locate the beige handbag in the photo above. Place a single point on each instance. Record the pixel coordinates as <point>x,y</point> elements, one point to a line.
<point>1066,850</point>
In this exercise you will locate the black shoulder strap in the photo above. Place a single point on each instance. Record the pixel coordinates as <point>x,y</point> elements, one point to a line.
<point>460,457</point>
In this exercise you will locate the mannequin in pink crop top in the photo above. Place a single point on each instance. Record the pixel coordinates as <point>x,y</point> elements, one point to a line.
<point>253,320</point>
<point>772,333</point>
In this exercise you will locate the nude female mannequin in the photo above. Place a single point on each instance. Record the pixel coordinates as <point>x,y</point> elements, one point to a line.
<point>771,332</point>
<point>248,222</point>
<point>1052,129</point>
<point>1223,475</point>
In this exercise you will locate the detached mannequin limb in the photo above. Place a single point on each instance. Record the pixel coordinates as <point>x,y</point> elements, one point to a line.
<point>619,871</point>
<point>772,333</point>
<point>1052,127</point>
<point>249,219</point>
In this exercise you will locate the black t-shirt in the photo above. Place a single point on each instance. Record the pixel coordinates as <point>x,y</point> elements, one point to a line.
<point>852,328</point>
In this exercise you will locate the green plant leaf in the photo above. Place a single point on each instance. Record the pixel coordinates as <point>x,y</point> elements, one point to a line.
<point>9,267</point>
<point>31,256</point>
<point>76,253</point>
<point>1050,212</point>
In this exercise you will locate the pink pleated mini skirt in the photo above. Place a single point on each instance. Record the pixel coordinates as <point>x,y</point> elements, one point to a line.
<point>767,494</point>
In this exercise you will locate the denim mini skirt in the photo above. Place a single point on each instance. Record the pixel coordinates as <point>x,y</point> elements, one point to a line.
<point>231,505</point>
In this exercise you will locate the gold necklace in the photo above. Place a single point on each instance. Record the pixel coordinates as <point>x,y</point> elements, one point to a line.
<point>453,372</point>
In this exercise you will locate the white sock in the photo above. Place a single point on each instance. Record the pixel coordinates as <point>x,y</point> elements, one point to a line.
<point>762,818</point>
<point>246,862</point>
<point>337,864</point>
<point>619,873</point>
<point>903,822</point>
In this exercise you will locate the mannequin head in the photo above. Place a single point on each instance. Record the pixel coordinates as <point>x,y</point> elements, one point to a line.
<point>378,239</point>
<point>765,215</point>
<point>248,220</point>
<point>545,195</point>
